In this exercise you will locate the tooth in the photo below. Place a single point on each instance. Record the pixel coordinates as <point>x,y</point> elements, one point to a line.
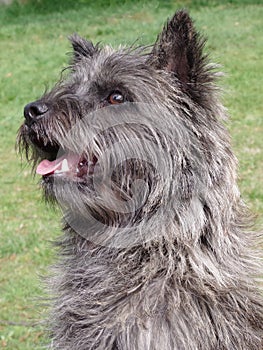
<point>65,166</point>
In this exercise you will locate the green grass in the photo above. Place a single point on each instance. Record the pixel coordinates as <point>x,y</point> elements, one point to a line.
<point>33,43</point>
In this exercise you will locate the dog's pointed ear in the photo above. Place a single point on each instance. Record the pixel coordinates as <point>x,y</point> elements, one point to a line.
<point>179,50</point>
<point>81,48</point>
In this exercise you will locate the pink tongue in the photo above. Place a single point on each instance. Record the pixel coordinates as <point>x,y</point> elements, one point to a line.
<point>47,167</point>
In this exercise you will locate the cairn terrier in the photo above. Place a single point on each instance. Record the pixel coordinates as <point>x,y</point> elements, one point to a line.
<point>157,251</point>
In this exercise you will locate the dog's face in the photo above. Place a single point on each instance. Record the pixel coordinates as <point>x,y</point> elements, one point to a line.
<point>110,137</point>
<point>69,129</point>
<point>99,78</point>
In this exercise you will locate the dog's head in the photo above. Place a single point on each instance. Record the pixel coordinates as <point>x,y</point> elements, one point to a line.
<point>121,134</point>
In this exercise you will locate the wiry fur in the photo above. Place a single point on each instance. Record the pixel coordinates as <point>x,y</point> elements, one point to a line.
<point>187,278</point>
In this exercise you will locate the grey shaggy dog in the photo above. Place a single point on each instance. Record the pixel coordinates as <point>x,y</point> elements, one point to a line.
<point>157,251</point>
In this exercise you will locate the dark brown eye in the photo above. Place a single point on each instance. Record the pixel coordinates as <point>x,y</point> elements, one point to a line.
<point>116,97</point>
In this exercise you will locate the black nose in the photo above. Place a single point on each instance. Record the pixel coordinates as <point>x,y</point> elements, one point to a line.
<point>34,111</point>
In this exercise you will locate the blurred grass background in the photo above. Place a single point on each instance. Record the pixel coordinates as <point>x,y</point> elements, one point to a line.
<point>33,47</point>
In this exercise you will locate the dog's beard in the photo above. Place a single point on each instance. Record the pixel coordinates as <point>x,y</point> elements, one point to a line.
<point>113,169</point>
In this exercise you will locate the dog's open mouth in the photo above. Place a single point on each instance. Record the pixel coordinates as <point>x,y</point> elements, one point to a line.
<point>69,164</point>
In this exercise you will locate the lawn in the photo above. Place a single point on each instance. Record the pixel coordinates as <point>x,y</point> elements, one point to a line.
<point>33,47</point>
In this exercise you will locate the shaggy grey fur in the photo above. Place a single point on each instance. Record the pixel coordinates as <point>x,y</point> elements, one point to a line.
<point>157,251</point>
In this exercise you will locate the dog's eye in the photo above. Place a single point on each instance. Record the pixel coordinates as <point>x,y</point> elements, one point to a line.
<point>116,97</point>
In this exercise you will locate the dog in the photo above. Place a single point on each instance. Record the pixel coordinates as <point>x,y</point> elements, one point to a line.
<point>157,252</point>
